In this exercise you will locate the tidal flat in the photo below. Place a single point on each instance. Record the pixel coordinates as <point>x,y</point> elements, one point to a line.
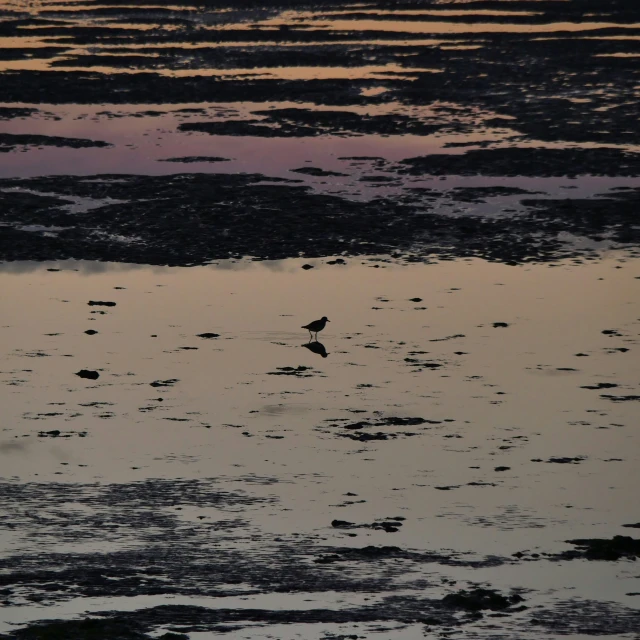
<point>183,186</point>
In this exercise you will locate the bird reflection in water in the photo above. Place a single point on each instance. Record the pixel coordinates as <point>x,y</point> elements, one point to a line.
<point>316,347</point>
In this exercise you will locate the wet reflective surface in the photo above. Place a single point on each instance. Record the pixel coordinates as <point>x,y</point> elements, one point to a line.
<point>183,187</point>
<point>448,397</point>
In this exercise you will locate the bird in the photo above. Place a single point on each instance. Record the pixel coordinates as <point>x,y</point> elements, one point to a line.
<point>315,326</point>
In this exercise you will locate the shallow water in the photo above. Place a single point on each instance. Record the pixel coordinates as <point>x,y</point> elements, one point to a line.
<point>517,387</point>
<point>499,397</point>
<point>469,418</point>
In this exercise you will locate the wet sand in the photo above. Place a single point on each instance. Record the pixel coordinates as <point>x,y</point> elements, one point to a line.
<point>454,187</point>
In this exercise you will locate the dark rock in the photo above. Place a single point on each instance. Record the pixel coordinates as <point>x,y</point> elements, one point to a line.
<point>479,599</point>
<point>315,171</point>
<point>343,524</point>
<point>604,549</point>
<point>101,303</point>
<point>163,383</point>
<point>500,324</point>
<point>208,335</point>
<point>600,385</point>
<point>306,267</point>
<point>10,141</point>
<point>86,373</point>
<point>89,629</point>
<point>91,332</point>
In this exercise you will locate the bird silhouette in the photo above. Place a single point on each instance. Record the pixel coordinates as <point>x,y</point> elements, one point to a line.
<point>316,347</point>
<point>316,326</point>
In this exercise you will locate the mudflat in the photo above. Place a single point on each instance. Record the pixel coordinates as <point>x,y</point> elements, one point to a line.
<point>184,185</point>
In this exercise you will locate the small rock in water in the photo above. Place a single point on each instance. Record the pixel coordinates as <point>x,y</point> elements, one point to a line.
<point>163,383</point>
<point>90,375</point>
<point>500,324</point>
<point>307,266</point>
<point>102,303</point>
<point>566,460</point>
<point>208,335</point>
<point>600,385</point>
<point>91,332</point>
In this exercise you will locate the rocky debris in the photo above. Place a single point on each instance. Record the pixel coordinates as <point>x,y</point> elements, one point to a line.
<point>563,460</point>
<point>9,113</point>
<point>299,371</point>
<point>301,222</point>
<point>468,484</point>
<point>91,628</point>
<point>478,194</point>
<point>299,122</point>
<point>163,383</point>
<point>590,618</point>
<point>518,161</point>
<point>101,303</point>
<point>88,374</point>
<point>354,430</point>
<point>630,398</point>
<point>11,141</point>
<point>600,385</point>
<point>422,364</point>
<point>614,548</point>
<point>496,325</point>
<point>208,335</point>
<point>389,525</point>
<point>56,433</point>
<point>316,171</point>
<point>480,599</point>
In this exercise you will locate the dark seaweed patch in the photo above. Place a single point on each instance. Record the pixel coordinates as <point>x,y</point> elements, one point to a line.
<point>11,141</point>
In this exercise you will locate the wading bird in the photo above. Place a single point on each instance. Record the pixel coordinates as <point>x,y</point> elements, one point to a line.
<point>315,326</point>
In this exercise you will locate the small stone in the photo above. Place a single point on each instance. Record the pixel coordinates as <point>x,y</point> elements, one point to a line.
<point>86,373</point>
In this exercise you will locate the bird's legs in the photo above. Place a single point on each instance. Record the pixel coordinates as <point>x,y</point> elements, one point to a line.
<point>310,335</point>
